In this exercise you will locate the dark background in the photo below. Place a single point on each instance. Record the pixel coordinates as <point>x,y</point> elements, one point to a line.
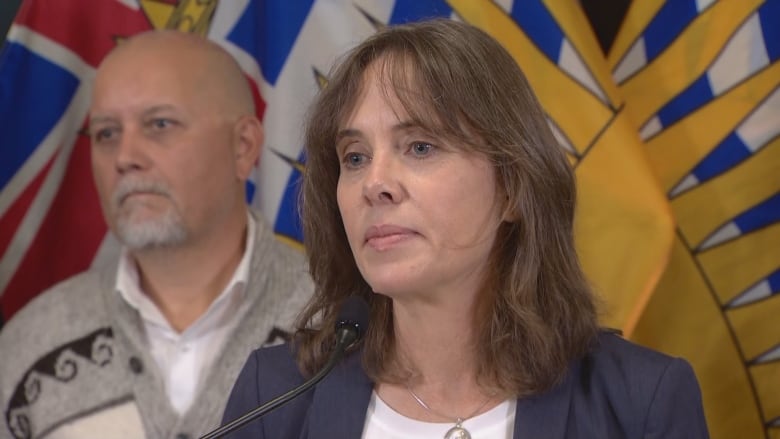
<point>7,11</point>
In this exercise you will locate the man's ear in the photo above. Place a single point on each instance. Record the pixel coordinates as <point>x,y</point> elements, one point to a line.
<point>248,142</point>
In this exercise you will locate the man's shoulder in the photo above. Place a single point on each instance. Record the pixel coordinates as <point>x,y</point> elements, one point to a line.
<point>56,346</point>
<point>76,294</point>
<point>279,273</point>
<point>69,309</point>
<point>270,248</point>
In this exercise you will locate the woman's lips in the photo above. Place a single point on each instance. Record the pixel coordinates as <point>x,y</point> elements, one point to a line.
<point>384,237</point>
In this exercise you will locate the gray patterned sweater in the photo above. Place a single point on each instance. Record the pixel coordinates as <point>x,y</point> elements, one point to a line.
<point>74,362</point>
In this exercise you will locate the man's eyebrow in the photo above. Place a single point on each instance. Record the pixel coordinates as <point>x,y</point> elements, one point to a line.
<point>157,108</point>
<point>108,118</point>
<point>100,119</point>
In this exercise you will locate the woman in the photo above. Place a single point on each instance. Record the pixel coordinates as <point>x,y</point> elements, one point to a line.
<point>436,191</point>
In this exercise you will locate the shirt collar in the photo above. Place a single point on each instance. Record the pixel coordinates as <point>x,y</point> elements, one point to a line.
<point>129,288</point>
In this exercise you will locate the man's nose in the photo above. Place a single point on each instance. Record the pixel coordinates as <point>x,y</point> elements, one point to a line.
<point>132,152</point>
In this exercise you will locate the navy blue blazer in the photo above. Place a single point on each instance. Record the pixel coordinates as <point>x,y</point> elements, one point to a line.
<point>619,390</point>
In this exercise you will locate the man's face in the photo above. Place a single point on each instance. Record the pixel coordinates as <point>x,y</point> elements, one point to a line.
<point>161,151</point>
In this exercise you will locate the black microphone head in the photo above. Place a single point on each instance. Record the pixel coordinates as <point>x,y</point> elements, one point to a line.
<point>353,316</point>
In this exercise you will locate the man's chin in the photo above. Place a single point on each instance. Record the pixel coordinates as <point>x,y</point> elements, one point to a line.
<point>146,235</point>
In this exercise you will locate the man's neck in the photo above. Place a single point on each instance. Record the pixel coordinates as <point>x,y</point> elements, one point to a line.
<point>183,281</point>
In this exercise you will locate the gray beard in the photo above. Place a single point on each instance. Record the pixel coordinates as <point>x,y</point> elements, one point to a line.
<point>166,231</point>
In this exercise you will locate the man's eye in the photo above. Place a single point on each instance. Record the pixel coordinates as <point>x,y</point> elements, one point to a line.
<point>160,124</point>
<point>104,134</point>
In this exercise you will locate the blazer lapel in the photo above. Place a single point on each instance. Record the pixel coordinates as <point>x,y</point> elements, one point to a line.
<point>545,415</point>
<point>339,404</point>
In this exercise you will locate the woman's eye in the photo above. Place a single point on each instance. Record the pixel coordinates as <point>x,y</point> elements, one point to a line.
<point>354,159</point>
<point>421,149</point>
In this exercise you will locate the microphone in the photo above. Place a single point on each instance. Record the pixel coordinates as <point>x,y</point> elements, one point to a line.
<point>351,324</point>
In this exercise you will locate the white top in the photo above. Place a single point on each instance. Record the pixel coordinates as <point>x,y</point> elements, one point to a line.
<point>382,422</point>
<point>183,358</point>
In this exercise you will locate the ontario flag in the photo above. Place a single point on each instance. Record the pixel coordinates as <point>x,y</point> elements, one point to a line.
<point>673,135</point>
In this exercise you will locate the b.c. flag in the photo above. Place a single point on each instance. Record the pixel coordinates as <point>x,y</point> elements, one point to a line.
<point>700,79</point>
<point>677,221</point>
<point>50,221</point>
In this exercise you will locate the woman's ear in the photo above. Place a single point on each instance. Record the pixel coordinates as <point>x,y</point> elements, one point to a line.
<point>511,208</point>
<point>511,213</point>
<point>248,141</point>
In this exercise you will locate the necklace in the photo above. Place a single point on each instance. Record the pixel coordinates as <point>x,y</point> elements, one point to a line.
<point>457,431</point>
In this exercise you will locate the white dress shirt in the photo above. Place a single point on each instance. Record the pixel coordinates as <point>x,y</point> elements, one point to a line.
<point>185,358</point>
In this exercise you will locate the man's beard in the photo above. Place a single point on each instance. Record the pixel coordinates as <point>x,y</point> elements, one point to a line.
<point>166,230</point>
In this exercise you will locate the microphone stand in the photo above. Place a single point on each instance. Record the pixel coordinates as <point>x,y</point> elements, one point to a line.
<point>344,338</point>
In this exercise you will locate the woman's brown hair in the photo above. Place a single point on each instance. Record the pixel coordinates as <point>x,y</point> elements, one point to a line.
<point>536,313</point>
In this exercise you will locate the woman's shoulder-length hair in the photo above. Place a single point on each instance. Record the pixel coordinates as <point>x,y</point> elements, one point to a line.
<point>536,312</point>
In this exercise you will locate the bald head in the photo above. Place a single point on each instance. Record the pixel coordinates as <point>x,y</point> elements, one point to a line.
<point>194,62</point>
<point>172,120</point>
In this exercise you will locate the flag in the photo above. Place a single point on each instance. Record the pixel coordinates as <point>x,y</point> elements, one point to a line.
<point>50,221</point>
<point>700,80</point>
<point>672,135</point>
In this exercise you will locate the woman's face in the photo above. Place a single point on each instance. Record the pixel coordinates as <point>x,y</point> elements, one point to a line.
<point>420,213</point>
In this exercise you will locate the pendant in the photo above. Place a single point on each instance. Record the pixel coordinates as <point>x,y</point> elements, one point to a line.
<point>457,432</point>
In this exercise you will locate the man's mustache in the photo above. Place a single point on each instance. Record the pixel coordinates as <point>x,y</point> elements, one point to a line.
<point>130,186</point>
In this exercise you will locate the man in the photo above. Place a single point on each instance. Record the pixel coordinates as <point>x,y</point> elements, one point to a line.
<point>151,346</point>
